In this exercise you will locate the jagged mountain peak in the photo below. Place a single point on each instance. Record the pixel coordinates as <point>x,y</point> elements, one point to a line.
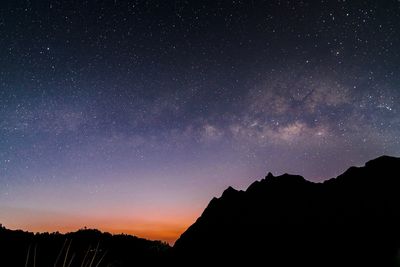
<point>342,219</point>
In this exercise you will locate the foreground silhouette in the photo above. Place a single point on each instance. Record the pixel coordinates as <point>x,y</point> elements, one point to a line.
<point>82,248</point>
<point>351,220</point>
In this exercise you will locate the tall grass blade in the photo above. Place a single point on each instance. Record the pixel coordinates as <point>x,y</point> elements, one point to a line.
<point>84,258</point>
<point>27,256</point>
<point>101,259</point>
<point>34,256</point>
<point>95,254</point>
<point>70,262</point>
<point>59,254</point>
<point>66,253</point>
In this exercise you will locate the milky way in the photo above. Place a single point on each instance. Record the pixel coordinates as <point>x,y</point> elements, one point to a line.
<point>129,116</point>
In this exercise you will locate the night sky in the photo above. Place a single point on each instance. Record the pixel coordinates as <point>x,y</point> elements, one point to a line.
<point>129,116</point>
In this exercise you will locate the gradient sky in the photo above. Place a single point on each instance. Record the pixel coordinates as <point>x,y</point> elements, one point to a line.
<point>129,116</point>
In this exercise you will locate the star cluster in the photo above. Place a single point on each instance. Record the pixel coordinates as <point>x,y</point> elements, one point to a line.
<point>130,115</point>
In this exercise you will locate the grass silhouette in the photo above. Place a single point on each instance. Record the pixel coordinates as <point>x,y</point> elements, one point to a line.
<point>92,257</point>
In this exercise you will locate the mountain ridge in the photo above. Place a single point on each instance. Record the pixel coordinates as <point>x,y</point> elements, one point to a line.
<point>271,215</point>
<point>269,175</point>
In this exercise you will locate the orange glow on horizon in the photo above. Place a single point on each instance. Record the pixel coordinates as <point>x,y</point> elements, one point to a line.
<point>163,229</point>
<point>151,221</point>
<point>169,235</point>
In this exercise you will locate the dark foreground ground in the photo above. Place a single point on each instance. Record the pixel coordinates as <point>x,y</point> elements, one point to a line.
<point>352,220</point>
<point>81,248</point>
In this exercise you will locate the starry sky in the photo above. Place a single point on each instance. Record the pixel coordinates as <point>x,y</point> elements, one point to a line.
<point>129,116</point>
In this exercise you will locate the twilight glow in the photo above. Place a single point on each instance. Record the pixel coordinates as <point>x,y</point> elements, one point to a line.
<point>129,116</point>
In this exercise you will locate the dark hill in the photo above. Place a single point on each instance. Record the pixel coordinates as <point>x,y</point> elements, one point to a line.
<point>351,220</point>
<point>85,247</point>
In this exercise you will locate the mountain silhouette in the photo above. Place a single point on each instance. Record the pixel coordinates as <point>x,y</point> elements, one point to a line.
<point>351,220</point>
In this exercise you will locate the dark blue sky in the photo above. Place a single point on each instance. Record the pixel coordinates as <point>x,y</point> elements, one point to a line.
<point>131,115</point>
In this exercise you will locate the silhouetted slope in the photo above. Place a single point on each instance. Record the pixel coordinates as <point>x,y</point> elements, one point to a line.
<point>351,220</point>
<point>84,245</point>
